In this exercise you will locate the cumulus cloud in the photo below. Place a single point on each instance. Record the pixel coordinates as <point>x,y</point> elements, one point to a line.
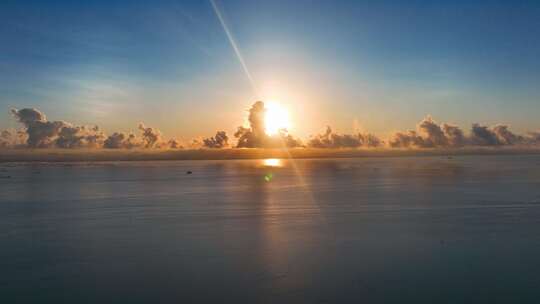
<point>499,135</point>
<point>483,136</point>
<point>506,137</point>
<point>12,138</point>
<point>39,132</point>
<point>256,137</point>
<point>286,139</point>
<point>220,140</point>
<point>429,134</point>
<point>329,139</point>
<point>406,140</point>
<point>174,144</point>
<point>80,137</point>
<point>454,135</point>
<point>151,137</point>
<point>120,140</point>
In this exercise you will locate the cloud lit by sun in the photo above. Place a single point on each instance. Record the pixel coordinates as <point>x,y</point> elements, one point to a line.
<point>276,118</point>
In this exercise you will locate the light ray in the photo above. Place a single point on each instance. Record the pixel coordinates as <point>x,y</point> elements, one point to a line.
<point>235,47</point>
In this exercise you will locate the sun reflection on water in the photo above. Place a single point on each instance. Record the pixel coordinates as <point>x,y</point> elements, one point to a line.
<point>272,162</point>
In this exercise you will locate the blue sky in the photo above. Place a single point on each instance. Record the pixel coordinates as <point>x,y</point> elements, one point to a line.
<point>378,65</point>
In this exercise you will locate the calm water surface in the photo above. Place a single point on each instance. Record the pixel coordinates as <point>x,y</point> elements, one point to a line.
<point>379,230</point>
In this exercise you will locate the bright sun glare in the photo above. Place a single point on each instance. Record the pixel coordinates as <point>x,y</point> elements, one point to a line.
<point>276,118</point>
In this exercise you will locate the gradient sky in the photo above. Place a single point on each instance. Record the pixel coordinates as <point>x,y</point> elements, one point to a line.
<point>376,65</point>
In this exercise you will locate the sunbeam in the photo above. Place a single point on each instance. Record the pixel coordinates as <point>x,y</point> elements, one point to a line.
<point>235,47</point>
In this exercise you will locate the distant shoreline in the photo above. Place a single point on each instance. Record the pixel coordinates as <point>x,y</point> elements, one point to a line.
<point>80,155</point>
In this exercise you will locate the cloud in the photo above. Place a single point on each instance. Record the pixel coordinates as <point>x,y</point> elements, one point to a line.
<point>286,139</point>
<point>406,140</point>
<point>429,134</point>
<point>174,144</point>
<point>12,138</point>
<point>151,137</point>
<point>246,138</point>
<point>220,140</point>
<point>432,135</point>
<point>483,136</point>
<point>499,135</point>
<point>41,133</point>
<point>120,140</point>
<point>80,137</point>
<point>38,132</point>
<point>329,139</point>
<point>454,135</point>
<point>256,137</point>
<point>506,137</point>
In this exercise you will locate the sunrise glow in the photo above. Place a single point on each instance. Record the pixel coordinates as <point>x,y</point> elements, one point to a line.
<point>276,118</point>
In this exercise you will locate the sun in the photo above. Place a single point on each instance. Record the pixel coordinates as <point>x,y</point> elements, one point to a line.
<point>276,118</point>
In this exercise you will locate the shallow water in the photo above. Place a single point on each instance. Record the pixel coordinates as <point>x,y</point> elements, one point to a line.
<point>373,230</point>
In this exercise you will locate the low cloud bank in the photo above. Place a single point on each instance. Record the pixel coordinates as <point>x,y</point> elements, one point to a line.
<point>39,132</point>
<point>221,140</point>
<point>329,139</point>
<point>429,134</point>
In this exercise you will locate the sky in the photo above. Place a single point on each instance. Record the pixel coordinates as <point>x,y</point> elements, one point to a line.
<point>379,66</point>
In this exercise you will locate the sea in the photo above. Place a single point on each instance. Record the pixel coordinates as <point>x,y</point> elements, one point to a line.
<point>430,229</point>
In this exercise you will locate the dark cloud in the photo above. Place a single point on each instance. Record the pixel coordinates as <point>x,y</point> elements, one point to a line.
<point>254,136</point>
<point>246,138</point>
<point>499,135</point>
<point>406,140</point>
<point>454,135</point>
<point>483,136</point>
<point>119,140</point>
<point>432,135</point>
<point>174,144</point>
<point>41,133</point>
<point>221,140</point>
<point>329,139</point>
<point>506,137</point>
<point>28,116</point>
<point>80,137</point>
<point>257,122</point>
